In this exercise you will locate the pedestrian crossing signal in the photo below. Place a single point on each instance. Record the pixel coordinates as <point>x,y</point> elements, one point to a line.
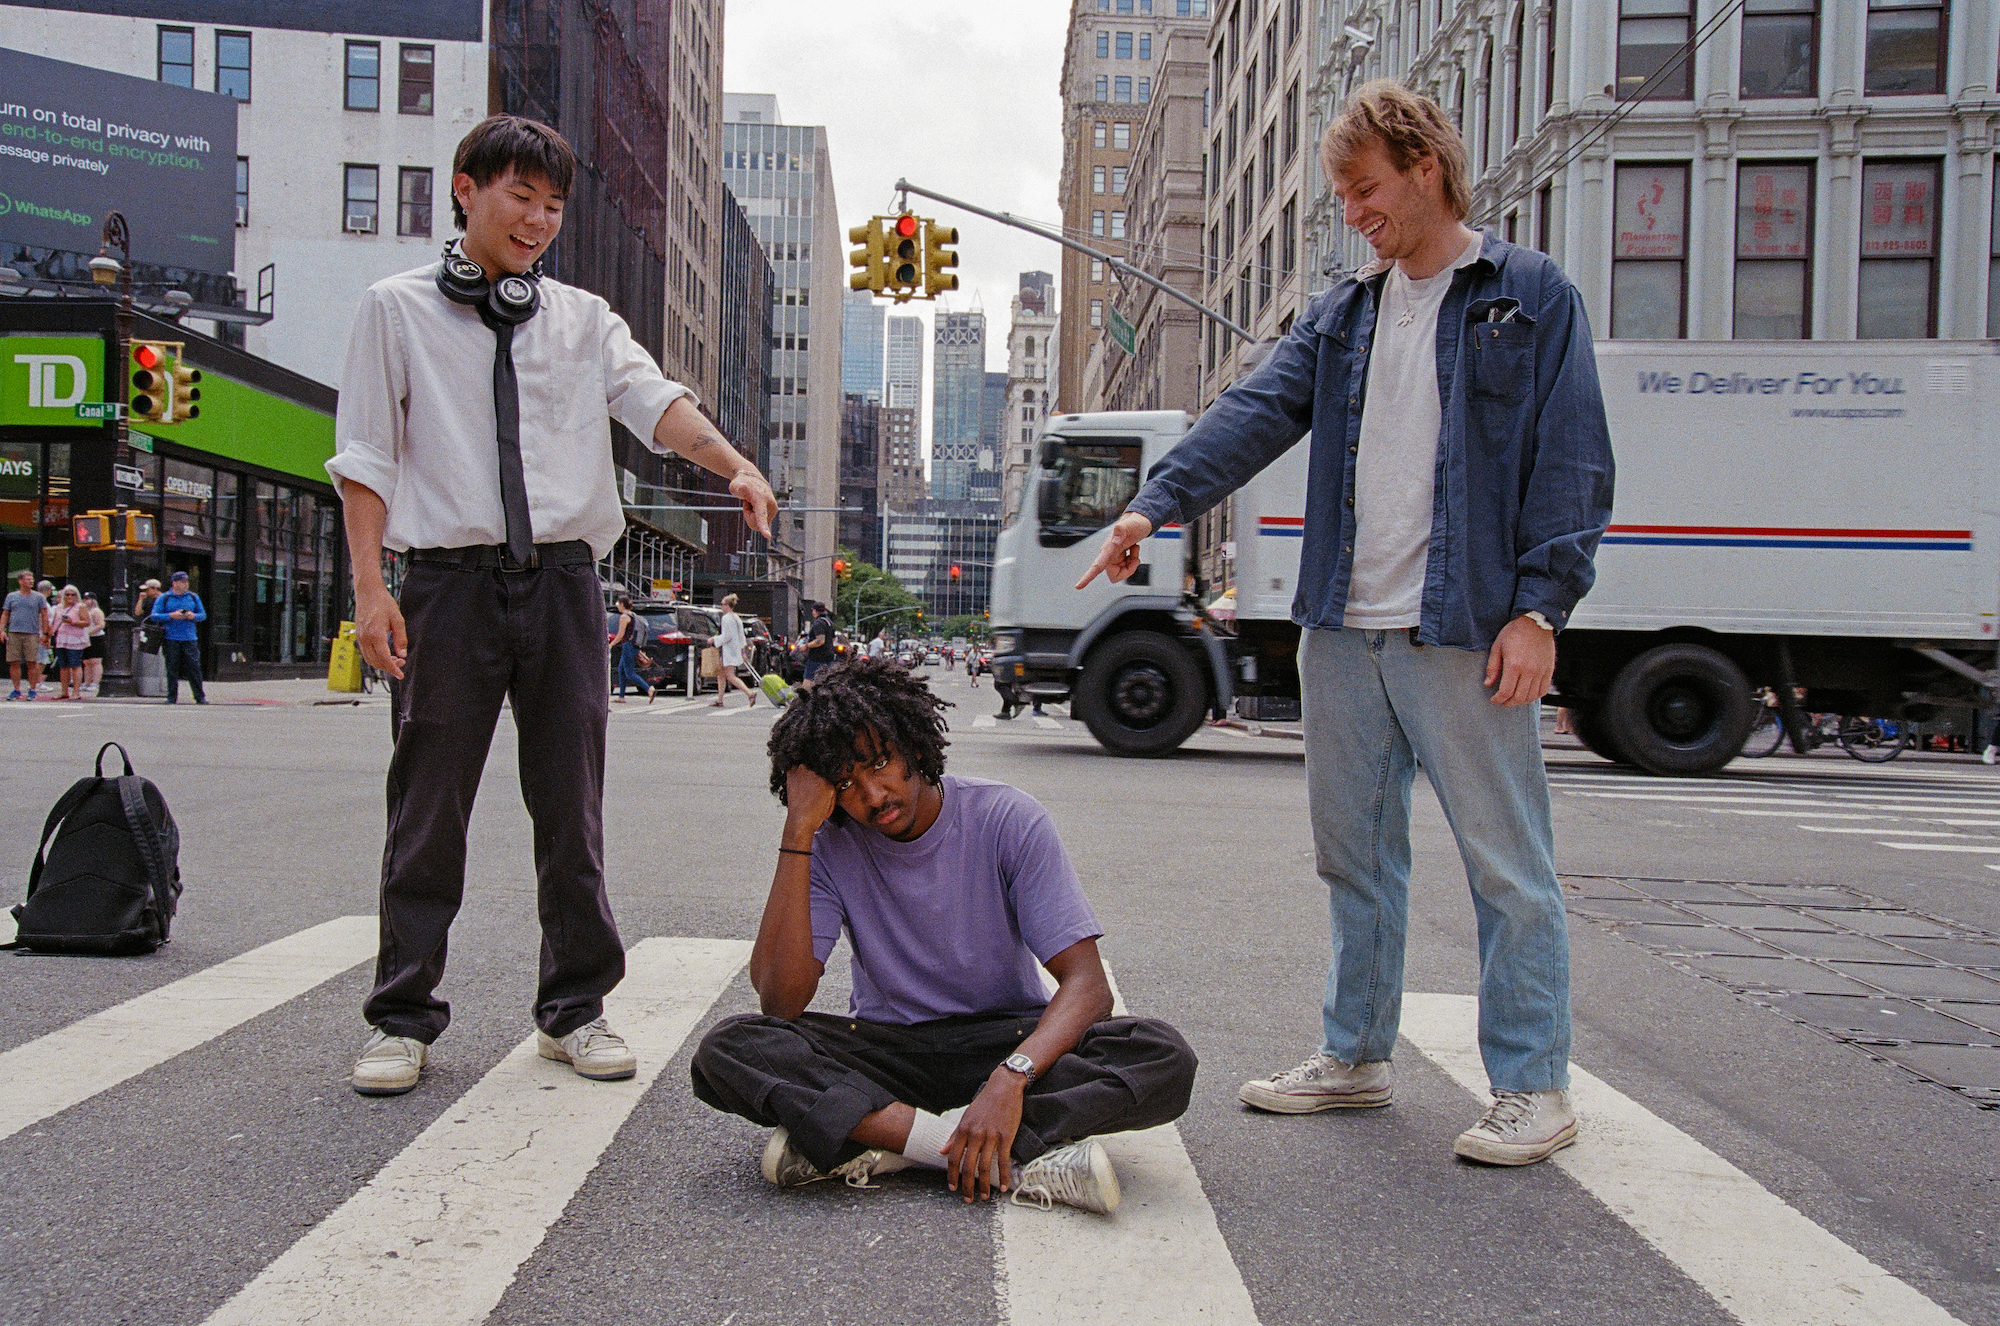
<point>92,531</point>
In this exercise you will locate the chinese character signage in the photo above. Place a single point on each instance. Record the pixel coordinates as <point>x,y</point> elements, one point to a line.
<point>1651,219</point>
<point>1771,210</point>
<point>1899,209</point>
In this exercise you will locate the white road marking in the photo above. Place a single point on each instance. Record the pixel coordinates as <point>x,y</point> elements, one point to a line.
<point>1975,823</point>
<point>1228,731</point>
<point>1159,1258</point>
<point>1800,814</point>
<point>1944,847</point>
<point>985,720</point>
<point>53,1072</point>
<point>1042,720</point>
<point>1877,829</point>
<point>472,1197</point>
<point>1671,796</point>
<point>1761,1259</point>
<point>6,926</point>
<point>726,711</point>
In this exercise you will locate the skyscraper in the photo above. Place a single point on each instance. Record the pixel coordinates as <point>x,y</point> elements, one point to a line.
<point>958,373</point>
<point>1031,351</point>
<point>903,379</point>
<point>782,177</point>
<point>861,320</point>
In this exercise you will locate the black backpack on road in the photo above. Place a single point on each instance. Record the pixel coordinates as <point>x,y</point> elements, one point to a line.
<point>109,881</point>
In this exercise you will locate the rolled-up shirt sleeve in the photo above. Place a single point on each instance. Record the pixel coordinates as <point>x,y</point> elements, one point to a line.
<point>635,391</point>
<point>374,400</point>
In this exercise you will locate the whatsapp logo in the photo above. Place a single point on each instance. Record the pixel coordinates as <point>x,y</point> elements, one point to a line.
<point>6,204</point>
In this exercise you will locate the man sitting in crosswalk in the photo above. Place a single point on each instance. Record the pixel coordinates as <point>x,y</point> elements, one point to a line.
<point>954,893</point>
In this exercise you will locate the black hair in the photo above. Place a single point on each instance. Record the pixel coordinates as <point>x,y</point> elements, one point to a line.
<point>500,141</point>
<point>822,726</point>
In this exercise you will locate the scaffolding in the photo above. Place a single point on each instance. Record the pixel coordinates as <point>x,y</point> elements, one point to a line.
<point>642,560</point>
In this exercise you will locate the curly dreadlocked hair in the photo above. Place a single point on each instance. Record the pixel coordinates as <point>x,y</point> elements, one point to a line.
<point>821,725</point>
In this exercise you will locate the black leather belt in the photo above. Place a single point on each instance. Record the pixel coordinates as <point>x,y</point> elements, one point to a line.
<point>494,557</point>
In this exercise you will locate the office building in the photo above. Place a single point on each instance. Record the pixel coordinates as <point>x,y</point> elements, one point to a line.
<point>1110,64</point>
<point>958,398</point>
<point>983,485</point>
<point>861,345</point>
<point>903,365</point>
<point>942,552</point>
<point>902,483</point>
<point>783,178</point>
<point>859,528</point>
<point>744,287</point>
<point>1031,353</point>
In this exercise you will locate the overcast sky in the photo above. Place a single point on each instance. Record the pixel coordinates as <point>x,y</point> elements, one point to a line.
<point>962,98</point>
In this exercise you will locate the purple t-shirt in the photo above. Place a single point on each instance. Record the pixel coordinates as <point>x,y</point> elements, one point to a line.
<point>958,921</point>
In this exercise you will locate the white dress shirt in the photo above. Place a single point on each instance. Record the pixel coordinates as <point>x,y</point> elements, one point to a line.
<point>415,421</point>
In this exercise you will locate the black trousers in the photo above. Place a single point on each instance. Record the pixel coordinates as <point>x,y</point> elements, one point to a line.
<point>817,1077</point>
<point>182,659</point>
<point>478,637</point>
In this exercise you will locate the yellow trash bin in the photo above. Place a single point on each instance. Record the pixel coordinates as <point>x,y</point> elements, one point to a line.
<point>343,669</point>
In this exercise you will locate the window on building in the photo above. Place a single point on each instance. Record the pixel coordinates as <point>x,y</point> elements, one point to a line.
<point>1549,57</point>
<point>1545,202</point>
<point>413,201</point>
<point>1905,47</point>
<point>243,191</point>
<point>1265,246</point>
<point>1780,51</point>
<point>1121,88</point>
<point>1511,230</point>
<point>1103,88</point>
<point>364,75</point>
<point>1288,243</point>
<point>1229,136</point>
<point>1118,225</point>
<point>1651,34</point>
<point>1096,274</point>
<point>1249,197</point>
<point>1271,47</point>
<point>1097,134</point>
<point>1270,161</point>
<point>1773,251</point>
<point>1235,34</point>
<point>1243,283</point>
<point>232,64</point>
<point>1097,179</point>
<point>1104,45</point>
<point>1896,295</point>
<point>1229,229</point>
<point>1097,223</point>
<point>1097,313</point>
<point>1124,46</point>
<point>1649,252</point>
<point>1145,89</point>
<point>415,79</point>
<point>1121,137</point>
<point>1214,251</point>
<point>1118,178</point>
<point>176,56</point>
<point>1191,8</point>
<point>1124,6</point>
<point>1291,121</point>
<point>361,199</point>
<point>1993,263</point>
<point>1522,114</point>
<point>1292,24</point>
<point>1145,46</point>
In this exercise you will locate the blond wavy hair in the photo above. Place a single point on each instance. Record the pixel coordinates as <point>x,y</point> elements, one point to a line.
<point>1409,127</point>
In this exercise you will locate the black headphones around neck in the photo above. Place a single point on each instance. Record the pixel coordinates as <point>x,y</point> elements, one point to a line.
<point>512,299</point>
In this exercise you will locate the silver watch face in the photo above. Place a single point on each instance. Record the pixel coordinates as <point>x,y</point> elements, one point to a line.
<point>1020,1063</point>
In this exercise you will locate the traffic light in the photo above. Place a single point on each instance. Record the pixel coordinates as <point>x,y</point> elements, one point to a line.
<point>181,403</point>
<point>92,531</point>
<point>141,530</point>
<point>871,260</point>
<point>905,257</point>
<point>152,387</point>
<point>98,530</point>
<point>841,569</point>
<point>937,257</point>
<point>954,572</point>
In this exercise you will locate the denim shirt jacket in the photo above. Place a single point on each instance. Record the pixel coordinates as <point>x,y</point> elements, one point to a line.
<point>1523,485</point>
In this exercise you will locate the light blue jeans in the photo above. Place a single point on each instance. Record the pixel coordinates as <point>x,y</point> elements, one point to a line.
<point>1375,707</point>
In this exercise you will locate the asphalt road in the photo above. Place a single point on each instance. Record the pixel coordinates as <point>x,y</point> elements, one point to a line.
<point>1780,977</point>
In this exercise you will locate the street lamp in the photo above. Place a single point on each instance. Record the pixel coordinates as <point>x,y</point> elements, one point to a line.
<point>108,271</point>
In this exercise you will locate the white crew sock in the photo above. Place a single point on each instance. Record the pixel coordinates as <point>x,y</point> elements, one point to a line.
<point>928,1135</point>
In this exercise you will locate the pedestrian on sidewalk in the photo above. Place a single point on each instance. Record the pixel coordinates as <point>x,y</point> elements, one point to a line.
<point>625,649</point>
<point>179,610</point>
<point>47,589</point>
<point>474,434</point>
<point>955,894</point>
<point>730,644</point>
<point>819,641</point>
<point>142,607</point>
<point>26,612</point>
<point>1459,481</point>
<point>72,634</point>
<point>93,653</point>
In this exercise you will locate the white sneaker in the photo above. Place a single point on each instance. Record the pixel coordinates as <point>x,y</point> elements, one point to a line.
<point>1520,1128</point>
<point>389,1065</point>
<point>786,1166</point>
<point>594,1050</point>
<point>1322,1082</point>
<point>1078,1175</point>
<point>1986,756</point>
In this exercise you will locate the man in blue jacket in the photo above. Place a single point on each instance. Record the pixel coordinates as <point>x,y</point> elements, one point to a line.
<point>179,610</point>
<point>1460,479</point>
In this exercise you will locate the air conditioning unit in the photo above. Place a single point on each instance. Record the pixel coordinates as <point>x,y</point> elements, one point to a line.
<point>360,223</point>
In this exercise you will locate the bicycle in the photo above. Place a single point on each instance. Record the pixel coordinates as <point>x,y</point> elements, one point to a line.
<point>1869,740</point>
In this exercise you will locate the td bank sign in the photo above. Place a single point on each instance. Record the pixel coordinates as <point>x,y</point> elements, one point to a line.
<point>44,378</point>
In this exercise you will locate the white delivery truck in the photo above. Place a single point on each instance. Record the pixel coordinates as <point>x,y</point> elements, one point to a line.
<point>1817,515</point>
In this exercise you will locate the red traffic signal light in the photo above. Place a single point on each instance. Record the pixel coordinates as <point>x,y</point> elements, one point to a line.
<point>954,571</point>
<point>146,356</point>
<point>906,225</point>
<point>840,567</point>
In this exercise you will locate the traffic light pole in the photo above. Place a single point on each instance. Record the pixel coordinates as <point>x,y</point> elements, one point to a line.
<point>1115,264</point>
<point>119,676</point>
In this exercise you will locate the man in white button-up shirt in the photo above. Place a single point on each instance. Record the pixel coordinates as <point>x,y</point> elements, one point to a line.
<point>474,434</point>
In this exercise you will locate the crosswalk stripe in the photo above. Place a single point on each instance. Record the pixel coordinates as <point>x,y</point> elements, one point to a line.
<point>471,1198</point>
<point>52,1073</point>
<point>1945,847</point>
<point>1878,829</point>
<point>1159,1257</point>
<point>985,720</point>
<point>1758,1256</point>
<point>1042,720</point>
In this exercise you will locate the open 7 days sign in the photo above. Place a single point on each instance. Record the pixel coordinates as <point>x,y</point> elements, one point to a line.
<point>45,379</point>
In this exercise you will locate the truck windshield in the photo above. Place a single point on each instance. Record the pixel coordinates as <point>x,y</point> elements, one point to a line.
<point>1084,486</point>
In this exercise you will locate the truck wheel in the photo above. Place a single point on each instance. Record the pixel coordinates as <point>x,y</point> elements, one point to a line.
<point>1591,731</point>
<point>1140,694</point>
<point>1680,709</point>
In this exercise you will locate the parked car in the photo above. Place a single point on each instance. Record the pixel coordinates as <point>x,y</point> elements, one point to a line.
<point>667,631</point>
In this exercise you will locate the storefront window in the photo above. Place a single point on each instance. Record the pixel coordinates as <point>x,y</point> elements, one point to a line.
<point>221,604</point>
<point>55,512</point>
<point>20,504</point>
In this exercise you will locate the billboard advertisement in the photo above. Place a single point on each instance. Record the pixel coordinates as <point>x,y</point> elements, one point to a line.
<point>76,143</point>
<point>43,378</point>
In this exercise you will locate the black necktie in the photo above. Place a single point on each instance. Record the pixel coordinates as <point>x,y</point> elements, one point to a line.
<point>507,422</point>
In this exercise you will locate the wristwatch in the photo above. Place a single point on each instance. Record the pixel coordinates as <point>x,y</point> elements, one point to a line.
<point>1020,1063</point>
